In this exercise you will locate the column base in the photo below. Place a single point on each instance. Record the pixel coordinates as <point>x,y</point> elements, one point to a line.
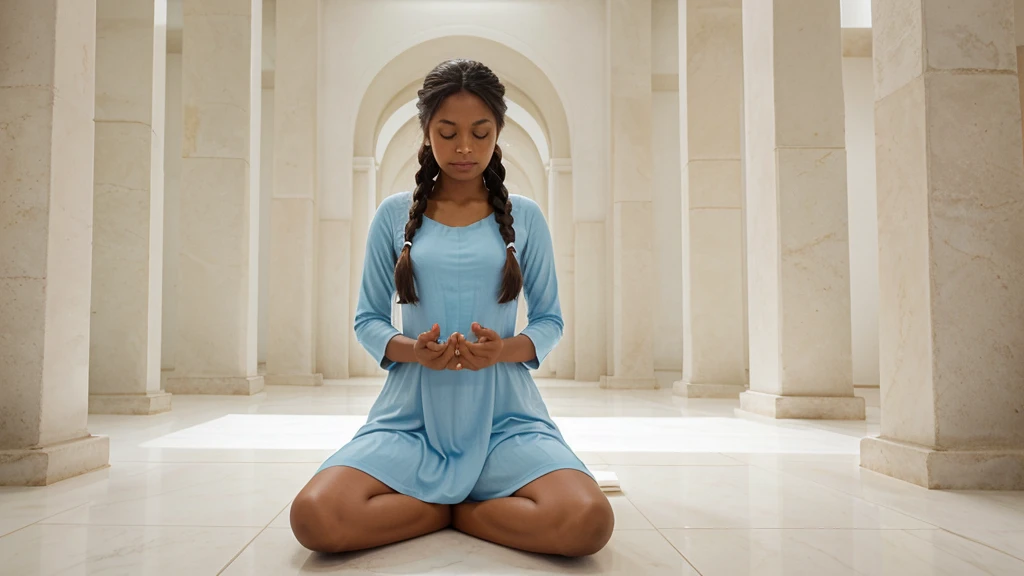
<point>803,407</point>
<point>137,404</point>
<point>294,379</point>
<point>224,386</point>
<point>51,464</point>
<point>944,469</point>
<point>694,390</point>
<point>623,383</point>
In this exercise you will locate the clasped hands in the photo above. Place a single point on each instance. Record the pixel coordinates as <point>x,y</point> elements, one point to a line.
<point>458,353</point>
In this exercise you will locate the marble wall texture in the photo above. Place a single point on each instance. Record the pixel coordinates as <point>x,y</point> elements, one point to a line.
<point>632,273</point>
<point>128,208</point>
<point>221,63</point>
<point>47,99</point>
<point>291,334</point>
<point>951,241</point>
<point>711,115</point>
<point>797,226</point>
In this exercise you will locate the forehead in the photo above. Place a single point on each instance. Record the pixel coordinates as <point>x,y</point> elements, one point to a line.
<point>463,108</point>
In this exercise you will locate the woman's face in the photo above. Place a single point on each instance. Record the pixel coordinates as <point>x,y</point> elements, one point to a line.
<point>463,133</point>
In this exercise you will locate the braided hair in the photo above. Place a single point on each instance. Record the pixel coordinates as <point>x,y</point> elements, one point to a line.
<point>450,78</point>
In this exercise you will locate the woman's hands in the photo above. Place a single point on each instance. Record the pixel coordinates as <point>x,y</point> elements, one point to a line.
<point>458,353</point>
<point>431,354</point>
<point>484,352</point>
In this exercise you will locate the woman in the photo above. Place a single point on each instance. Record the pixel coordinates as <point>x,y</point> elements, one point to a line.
<point>460,435</point>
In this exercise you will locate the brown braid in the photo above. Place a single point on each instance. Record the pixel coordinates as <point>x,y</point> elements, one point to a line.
<point>494,180</point>
<point>404,282</point>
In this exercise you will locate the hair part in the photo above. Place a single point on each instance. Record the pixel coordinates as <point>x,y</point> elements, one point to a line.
<point>447,79</point>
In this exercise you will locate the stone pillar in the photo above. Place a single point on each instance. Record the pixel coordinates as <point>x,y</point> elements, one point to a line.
<point>47,95</point>
<point>291,344</point>
<point>798,252</point>
<point>221,61</point>
<point>589,287</point>
<point>951,246</point>
<point>335,272</point>
<point>364,205</point>
<point>128,208</point>
<point>560,219</point>
<point>632,220</point>
<point>711,113</point>
<point>1019,24</point>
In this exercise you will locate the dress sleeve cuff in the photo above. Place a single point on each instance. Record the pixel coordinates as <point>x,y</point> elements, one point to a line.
<point>543,342</point>
<point>376,343</point>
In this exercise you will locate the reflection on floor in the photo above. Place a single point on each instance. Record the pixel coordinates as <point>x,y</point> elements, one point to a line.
<point>205,489</point>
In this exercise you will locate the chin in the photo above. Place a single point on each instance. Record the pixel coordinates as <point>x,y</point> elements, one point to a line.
<point>464,176</point>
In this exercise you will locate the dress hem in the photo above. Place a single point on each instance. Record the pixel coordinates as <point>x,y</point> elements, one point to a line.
<point>405,490</point>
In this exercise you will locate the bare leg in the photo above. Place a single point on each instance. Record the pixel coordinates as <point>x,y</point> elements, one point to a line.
<point>343,509</point>
<point>562,513</point>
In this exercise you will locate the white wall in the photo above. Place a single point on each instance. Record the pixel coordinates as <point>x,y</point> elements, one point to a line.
<point>172,208</point>
<point>266,193</point>
<point>863,213</point>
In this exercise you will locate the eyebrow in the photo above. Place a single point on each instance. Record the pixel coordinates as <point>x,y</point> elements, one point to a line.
<point>477,123</point>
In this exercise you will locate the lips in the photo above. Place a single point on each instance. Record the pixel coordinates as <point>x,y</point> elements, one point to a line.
<point>463,164</point>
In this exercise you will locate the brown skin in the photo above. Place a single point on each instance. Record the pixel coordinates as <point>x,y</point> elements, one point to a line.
<point>565,513</point>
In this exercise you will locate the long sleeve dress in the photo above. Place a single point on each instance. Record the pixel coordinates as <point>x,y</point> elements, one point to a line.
<point>447,436</point>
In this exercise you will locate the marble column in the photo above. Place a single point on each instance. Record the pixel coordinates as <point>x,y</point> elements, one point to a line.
<point>334,276</point>
<point>128,208</point>
<point>797,238</point>
<point>47,95</point>
<point>560,219</point>
<point>364,205</point>
<point>221,70</point>
<point>632,220</point>
<point>951,245</point>
<point>1019,24</point>
<point>589,288</point>
<point>291,331</point>
<point>711,113</point>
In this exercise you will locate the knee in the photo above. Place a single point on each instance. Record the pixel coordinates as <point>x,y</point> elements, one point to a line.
<point>317,523</point>
<point>588,526</point>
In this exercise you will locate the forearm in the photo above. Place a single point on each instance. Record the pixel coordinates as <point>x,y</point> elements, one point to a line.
<point>401,349</point>
<point>518,349</point>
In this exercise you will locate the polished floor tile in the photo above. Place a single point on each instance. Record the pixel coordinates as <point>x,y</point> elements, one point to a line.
<point>52,550</point>
<point>839,553</point>
<point>194,495</point>
<point>746,497</point>
<point>630,552</point>
<point>206,489</point>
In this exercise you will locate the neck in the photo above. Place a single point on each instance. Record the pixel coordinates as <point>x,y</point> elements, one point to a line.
<point>459,191</point>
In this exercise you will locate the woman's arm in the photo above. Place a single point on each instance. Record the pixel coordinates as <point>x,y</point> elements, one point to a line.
<point>540,285</point>
<point>400,350</point>
<point>517,349</point>
<point>373,326</point>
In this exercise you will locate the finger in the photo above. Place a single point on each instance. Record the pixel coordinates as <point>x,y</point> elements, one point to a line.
<point>430,335</point>
<point>490,334</point>
<point>435,347</point>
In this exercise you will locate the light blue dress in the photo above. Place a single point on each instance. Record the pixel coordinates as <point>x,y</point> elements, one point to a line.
<point>447,437</point>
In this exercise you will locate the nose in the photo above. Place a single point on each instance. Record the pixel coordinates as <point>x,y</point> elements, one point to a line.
<point>465,145</point>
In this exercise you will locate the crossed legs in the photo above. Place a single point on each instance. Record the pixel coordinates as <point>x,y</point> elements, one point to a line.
<point>343,509</point>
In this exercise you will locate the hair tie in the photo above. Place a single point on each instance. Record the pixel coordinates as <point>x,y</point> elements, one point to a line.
<point>407,243</point>
<point>511,245</point>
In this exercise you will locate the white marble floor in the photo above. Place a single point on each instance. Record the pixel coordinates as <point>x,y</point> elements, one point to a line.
<point>205,489</point>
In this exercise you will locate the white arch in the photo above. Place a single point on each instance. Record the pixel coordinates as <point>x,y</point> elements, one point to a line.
<point>515,112</point>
